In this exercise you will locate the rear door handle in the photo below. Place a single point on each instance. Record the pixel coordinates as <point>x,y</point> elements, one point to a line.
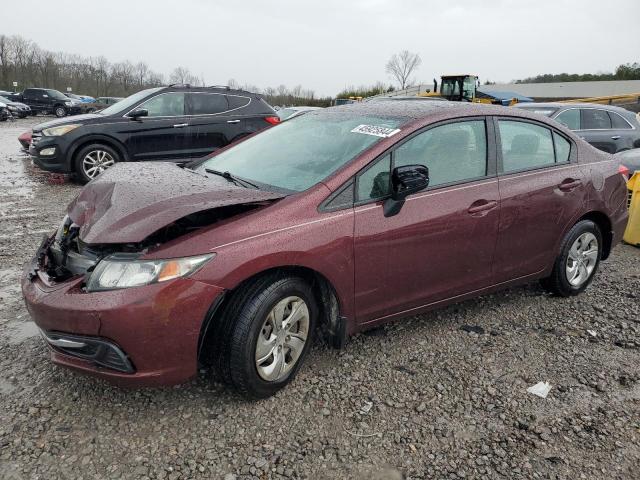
<point>180,125</point>
<point>233,121</point>
<point>615,137</point>
<point>482,207</point>
<point>569,184</point>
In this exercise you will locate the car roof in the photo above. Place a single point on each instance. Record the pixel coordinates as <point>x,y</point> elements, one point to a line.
<point>418,110</point>
<point>212,89</point>
<point>558,105</point>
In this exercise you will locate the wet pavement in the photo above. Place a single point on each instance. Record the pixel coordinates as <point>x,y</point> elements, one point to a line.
<point>440,395</point>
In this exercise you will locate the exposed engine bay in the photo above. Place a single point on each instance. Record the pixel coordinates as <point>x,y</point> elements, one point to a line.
<point>65,255</point>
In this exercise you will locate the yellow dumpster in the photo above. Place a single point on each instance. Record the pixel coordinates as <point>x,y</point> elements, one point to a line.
<point>632,232</point>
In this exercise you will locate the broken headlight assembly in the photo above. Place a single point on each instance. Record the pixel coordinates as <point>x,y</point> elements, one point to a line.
<point>122,270</point>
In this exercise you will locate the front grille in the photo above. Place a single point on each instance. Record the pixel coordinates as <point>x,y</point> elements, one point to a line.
<point>97,350</point>
<point>35,138</point>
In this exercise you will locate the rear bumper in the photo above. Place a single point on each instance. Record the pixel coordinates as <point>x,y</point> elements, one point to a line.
<point>155,327</point>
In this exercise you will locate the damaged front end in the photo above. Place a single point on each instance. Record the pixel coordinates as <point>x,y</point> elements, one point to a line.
<point>65,255</point>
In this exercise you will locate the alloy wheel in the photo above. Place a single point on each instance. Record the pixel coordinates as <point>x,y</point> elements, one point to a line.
<point>95,162</point>
<point>282,339</point>
<point>582,259</point>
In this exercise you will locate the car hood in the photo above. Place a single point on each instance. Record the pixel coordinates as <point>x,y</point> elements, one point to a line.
<point>17,104</point>
<point>130,201</point>
<point>67,121</point>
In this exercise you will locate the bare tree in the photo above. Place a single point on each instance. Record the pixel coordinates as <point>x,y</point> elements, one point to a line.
<point>402,65</point>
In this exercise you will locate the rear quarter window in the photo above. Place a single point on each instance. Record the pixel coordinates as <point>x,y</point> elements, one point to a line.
<point>618,122</point>
<point>237,101</point>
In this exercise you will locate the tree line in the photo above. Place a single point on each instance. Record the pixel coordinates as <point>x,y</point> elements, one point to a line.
<point>25,62</point>
<point>627,71</point>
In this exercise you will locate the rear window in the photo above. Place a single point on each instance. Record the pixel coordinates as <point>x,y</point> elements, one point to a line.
<point>207,103</point>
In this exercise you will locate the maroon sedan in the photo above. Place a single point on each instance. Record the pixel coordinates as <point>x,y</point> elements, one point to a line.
<point>342,219</point>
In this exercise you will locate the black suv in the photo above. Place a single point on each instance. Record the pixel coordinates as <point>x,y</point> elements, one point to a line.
<point>47,100</point>
<point>177,123</point>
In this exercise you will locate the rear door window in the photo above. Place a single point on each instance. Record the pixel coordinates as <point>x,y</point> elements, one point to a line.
<point>570,118</point>
<point>594,119</point>
<point>618,122</point>
<point>525,146</point>
<point>165,105</point>
<point>207,103</point>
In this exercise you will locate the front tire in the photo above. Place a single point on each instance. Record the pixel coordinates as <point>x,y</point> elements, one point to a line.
<point>575,267</point>
<point>94,159</point>
<point>60,111</point>
<point>267,328</point>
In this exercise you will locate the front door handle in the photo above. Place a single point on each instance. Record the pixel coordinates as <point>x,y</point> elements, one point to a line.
<point>569,184</point>
<point>180,125</point>
<point>482,207</point>
<point>233,121</point>
<point>615,137</point>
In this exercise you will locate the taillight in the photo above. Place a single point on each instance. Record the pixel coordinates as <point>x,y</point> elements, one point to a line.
<point>624,171</point>
<point>272,120</point>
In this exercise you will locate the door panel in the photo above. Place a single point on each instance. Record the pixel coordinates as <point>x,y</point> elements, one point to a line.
<point>536,207</point>
<point>435,248</point>
<point>537,204</point>
<point>160,139</point>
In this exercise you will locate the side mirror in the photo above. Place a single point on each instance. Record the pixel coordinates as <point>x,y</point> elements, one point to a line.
<point>139,112</point>
<point>404,182</point>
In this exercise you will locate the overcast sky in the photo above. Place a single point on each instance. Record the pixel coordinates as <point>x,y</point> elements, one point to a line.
<point>325,45</point>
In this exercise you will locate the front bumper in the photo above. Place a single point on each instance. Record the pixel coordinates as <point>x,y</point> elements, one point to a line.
<point>155,327</point>
<point>59,161</point>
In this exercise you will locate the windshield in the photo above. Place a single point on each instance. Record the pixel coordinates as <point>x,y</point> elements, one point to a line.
<point>57,95</point>
<point>124,105</point>
<point>298,154</point>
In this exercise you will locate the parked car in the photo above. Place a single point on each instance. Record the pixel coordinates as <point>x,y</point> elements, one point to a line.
<point>346,217</point>
<point>108,100</point>
<point>16,109</point>
<point>291,112</point>
<point>608,128</point>
<point>4,112</point>
<point>81,98</point>
<point>176,123</point>
<point>47,100</point>
<point>102,103</point>
<point>630,159</point>
<point>25,140</point>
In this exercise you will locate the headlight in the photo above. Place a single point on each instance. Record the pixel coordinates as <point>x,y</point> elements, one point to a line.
<point>12,107</point>
<point>123,271</point>
<point>68,104</point>
<point>61,130</point>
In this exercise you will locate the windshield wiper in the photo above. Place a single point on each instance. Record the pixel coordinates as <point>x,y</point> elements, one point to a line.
<point>241,182</point>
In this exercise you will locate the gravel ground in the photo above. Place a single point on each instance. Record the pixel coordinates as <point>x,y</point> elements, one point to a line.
<point>440,395</point>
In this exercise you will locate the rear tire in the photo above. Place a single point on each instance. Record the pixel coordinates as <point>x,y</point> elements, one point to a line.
<point>94,159</point>
<point>254,355</point>
<point>577,263</point>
